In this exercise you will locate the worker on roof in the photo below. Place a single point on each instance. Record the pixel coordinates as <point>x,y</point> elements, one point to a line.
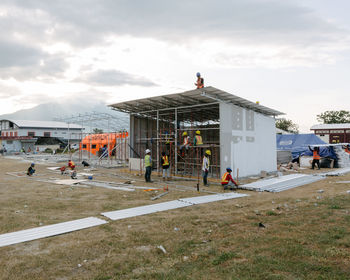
<point>198,139</point>
<point>315,157</point>
<point>200,81</point>
<point>185,144</point>
<point>165,166</point>
<point>227,180</point>
<point>205,167</point>
<point>148,166</point>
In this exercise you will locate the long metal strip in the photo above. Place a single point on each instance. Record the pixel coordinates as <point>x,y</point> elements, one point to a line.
<point>164,206</point>
<point>47,231</point>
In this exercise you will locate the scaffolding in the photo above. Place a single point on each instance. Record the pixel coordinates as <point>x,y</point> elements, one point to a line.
<point>157,123</point>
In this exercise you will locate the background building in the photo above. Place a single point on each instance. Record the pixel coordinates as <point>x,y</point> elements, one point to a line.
<point>18,134</point>
<point>333,133</point>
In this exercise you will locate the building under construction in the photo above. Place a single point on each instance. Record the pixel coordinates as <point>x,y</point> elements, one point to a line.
<point>239,133</point>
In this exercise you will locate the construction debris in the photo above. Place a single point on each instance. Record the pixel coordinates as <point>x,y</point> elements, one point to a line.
<point>162,249</point>
<point>159,195</point>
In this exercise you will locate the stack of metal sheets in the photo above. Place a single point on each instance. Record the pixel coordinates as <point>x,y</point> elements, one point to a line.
<point>282,183</point>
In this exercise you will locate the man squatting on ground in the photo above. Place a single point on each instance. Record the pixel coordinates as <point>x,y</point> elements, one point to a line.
<point>148,165</point>
<point>31,170</point>
<point>227,180</point>
<point>165,166</point>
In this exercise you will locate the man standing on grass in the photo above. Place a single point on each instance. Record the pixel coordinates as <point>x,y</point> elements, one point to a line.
<point>148,166</point>
<point>205,167</point>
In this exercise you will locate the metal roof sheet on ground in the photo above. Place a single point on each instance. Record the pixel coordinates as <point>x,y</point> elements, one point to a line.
<point>143,210</point>
<point>331,126</point>
<point>107,186</point>
<point>206,95</point>
<point>164,206</point>
<point>44,124</point>
<point>282,183</point>
<point>47,231</point>
<point>338,172</point>
<point>211,198</point>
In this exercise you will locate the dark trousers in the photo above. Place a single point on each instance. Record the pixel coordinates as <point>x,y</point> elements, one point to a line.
<point>205,177</point>
<point>148,174</point>
<point>316,161</point>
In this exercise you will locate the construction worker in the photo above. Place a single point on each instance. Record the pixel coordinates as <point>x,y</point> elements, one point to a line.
<point>205,167</point>
<point>347,149</point>
<point>200,81</point>
<point>227,180</point>
<point>165,166</point>
<point>31,170</point>
<point>186,143</point>
<point>198,139</point>
<point>71,164</point>
<point>315,157</point>
<point>148,166</point>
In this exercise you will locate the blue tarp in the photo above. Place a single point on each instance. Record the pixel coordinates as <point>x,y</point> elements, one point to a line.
<point>299,145</point>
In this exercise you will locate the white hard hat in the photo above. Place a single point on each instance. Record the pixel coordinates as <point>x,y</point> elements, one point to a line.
<point>148,151</point>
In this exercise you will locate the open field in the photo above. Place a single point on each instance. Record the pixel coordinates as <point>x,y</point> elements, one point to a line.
<point>306,234</point>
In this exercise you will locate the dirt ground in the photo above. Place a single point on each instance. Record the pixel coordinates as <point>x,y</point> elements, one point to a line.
<point>305,234</point>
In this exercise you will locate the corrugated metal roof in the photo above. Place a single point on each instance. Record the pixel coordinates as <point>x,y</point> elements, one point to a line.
<point>331,126</point>
<point>207,95</point>
<point>47,231</point>
<point>43,124</point>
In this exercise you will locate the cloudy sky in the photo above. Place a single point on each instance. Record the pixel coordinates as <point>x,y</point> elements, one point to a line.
<point>291,55</point>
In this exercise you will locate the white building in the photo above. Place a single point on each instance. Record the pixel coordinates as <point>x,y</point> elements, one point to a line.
<point>18,134</point>
<point>239,133</point>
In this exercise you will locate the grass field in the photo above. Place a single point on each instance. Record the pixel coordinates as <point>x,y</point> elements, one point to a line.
<point>306,234</point>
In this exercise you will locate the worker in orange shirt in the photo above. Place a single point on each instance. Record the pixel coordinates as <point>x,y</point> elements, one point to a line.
<point>227,180</point>
<point>200,81</point>
<point>315,157</point>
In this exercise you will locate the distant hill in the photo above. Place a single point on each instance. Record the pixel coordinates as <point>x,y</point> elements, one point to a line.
<point>55,111</point>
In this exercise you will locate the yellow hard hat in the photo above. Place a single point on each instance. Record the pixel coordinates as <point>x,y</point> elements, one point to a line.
<point>208,152</point>
<point>184,134</point>
<point>198,132</point>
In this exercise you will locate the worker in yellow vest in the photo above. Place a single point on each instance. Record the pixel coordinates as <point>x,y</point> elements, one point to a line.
<point>166,166</point>
<point>148,166</point>
<point>227,180</point>
<point>205,167</point>
<point>198,139</point>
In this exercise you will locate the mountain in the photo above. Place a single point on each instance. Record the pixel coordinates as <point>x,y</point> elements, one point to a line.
<point>69,113</point>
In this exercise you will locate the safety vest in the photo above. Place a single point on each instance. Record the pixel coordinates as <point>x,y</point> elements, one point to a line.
<point>199,140</point>
<point>186,140</point>
<point>347,150</point>
<point>200,82</point>
<point>316,155</point>
<point>165,160</point>
<point>224,179</point>
<point>148,161</point>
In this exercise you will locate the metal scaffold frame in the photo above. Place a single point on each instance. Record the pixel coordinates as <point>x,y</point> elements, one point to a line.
<point>161,131</point>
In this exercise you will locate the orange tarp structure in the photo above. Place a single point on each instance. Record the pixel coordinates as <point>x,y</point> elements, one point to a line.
<point>94,142</point>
